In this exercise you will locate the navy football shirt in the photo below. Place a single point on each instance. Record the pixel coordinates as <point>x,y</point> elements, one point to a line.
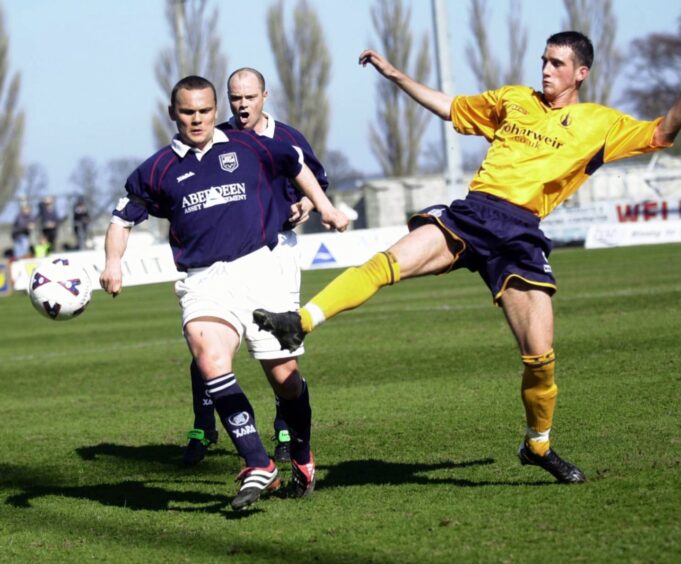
<point>221,206</point>
<point>285,192</point>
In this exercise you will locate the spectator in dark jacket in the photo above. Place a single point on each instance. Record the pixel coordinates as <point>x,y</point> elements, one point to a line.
<point>21,232</point>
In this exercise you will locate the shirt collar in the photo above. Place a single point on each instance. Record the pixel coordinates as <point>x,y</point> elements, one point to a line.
<point>269,128</point>
<point>181,148</point>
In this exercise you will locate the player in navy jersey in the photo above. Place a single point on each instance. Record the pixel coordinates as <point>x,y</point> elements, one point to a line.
<point>247,95</point>
<point>215,189</point>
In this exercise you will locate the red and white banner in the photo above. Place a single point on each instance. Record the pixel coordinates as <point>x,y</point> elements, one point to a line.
<point>573,224</point>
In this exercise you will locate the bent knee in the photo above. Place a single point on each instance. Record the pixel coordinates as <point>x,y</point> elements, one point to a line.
<point>212,345</point>
<point>425,250</point>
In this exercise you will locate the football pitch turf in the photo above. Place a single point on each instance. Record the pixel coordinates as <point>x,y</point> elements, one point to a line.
<point>417,416</point>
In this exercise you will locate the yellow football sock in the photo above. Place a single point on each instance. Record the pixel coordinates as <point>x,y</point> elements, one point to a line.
<point>350,289</point>
<point>539,392</point>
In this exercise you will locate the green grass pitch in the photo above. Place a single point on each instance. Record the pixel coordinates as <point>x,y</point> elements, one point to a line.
<point>417,416</point>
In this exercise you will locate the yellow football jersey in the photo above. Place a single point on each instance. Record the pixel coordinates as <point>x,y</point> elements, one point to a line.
<point>539,155</point>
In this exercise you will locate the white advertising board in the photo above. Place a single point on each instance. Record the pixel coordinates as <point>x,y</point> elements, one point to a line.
<point>141,265</point>
<point>605,235</point>
<point>339,250</point>
<point>154,263</point>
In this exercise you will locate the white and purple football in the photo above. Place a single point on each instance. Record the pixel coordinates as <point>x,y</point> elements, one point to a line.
<point>59,289</point>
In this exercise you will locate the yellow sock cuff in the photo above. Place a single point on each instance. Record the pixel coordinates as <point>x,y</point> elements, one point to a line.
<point>538,359</point>
<point>381,270</point>
<point>306,320</point>
<point>393,265</point>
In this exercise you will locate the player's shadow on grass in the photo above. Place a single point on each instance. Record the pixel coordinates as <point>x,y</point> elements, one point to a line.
<point>133,495</point>
<point>380,472</point>
<point>160,454</point>
<point>128,494</point>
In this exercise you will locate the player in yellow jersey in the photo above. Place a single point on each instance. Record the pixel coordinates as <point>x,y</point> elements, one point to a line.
<point>543,146</point>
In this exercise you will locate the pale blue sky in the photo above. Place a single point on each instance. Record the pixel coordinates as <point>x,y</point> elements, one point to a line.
<point>88,86</point>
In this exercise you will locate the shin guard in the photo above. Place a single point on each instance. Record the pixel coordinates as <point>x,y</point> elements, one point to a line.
<point>204,411</point>
<point>238,418</point>
<point>539,393</point>
<point>298,416</point>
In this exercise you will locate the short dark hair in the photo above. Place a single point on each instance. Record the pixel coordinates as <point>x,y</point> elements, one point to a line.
<point>579,43</point>
<point>257,73</point>
<point>192,82</point>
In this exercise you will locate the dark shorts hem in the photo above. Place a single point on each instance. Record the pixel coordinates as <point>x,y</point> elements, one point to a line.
<point>547,287</point>
<point>497,239</point>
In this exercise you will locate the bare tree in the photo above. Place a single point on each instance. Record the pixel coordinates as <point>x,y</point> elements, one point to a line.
<point>85,178</point>
<point>101,186</point>
<point>434,158</point>
<point>596,19</point>
<point>11,123</point>
<point>397,135</point>
<point>304,68</point>
<point>517,44</point>
<point>195,50</point>
<point>339,169</point>
<point>654,75</point>
<point>33,184</point>
<point>485,66</point>
<point>117,172</point>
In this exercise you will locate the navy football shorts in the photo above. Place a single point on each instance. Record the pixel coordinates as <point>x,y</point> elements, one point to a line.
<point>491,236</point>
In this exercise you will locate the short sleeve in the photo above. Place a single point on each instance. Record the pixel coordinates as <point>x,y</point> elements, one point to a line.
<point>133,208</point>
<point>477,115</point>
<point>629,137</point>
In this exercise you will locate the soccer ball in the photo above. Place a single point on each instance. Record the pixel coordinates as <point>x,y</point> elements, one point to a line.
<point>59,289</point>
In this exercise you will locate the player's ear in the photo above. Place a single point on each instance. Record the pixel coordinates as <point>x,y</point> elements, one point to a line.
<point>265,94</point>
<point>171,112</point>
<point>582,73</point>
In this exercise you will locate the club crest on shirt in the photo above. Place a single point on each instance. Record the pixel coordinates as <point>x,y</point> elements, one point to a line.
<point>229,162</point>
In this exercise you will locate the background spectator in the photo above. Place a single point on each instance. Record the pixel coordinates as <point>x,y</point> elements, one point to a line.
<point>81,222</point>
<point>49,221</point>
<point>21,232</point>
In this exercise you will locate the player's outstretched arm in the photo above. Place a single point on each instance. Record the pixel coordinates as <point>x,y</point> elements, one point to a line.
<point>115,243</point>
<point>670,126</point>
<point>437,102</point>
<point>331,217</point>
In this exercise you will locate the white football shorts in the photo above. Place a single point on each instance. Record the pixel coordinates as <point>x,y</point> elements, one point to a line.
<point>232,290</point>
<point>287,255</point>
<point>286,252</point>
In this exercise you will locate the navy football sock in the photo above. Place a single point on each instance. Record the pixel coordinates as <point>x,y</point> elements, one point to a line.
<point>204,410</point>
<point>237,416</point>
<point>279,423</point>
<point>298,416</point>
